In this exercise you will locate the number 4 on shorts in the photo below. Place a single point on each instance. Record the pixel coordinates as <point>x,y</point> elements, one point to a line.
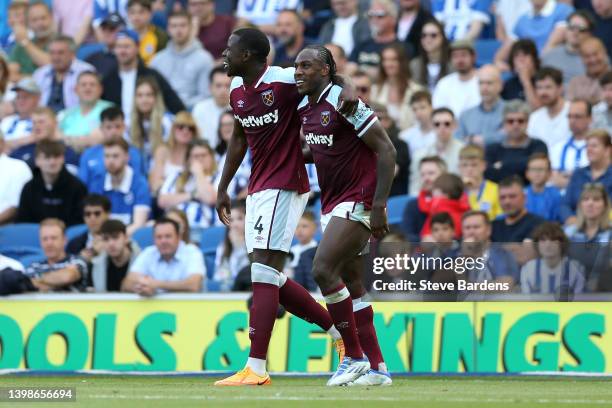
<point>258,227</point>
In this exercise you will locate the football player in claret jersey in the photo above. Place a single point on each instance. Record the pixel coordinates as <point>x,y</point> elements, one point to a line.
<point>264,101</point>
<point>355,161</point>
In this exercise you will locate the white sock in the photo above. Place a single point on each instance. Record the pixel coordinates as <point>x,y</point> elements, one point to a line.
<point>382,367</point>
<point>257,365</point>
<point>334,333</point>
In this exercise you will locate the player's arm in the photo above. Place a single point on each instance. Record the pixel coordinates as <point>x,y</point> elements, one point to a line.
<point>307,153</point>
<point>236,150</point>
<point>377,139</point>
<point>348,97</point>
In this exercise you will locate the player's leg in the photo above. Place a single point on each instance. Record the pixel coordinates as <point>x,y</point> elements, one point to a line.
<point>341,239</point>
<point>351,272</point>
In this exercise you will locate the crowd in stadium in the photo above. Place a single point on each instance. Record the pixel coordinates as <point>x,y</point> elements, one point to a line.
<point>114,114</point>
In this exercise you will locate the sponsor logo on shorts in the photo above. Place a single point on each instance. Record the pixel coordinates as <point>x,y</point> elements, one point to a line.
<point>313,139</point>
<point>256,121</point>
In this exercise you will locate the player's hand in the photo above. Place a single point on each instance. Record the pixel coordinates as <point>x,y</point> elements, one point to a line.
<point>378,222</point>
<point>348,101</point>
<point>223,207</point>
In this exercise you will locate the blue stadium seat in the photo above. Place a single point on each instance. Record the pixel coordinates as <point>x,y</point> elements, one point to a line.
<point>75,231</point>
<point>19,235</point>
<point>209,261</point>
<point>143,237</point>
<point>395,208</point>
<point>211,238</point>
<point>485,51</point>
<point>86,50</point>
<point>23,253</point>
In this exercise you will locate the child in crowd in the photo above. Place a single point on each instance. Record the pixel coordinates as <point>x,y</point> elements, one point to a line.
<point>420,135</point>
<point>232,254</point>
<point>552,272</point>
<point>304,233</point>
<point>447,196</point>
<point>541,199</point>
<point>482,194</point>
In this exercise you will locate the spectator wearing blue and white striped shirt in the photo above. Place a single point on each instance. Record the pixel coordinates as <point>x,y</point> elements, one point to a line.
<point>18,127</point>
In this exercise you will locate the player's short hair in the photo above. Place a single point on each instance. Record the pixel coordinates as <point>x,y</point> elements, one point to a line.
<point>216,70</point>
<point>254,41</point>
<point>166,220</point>
<point>111,113</point>
<point>420,96</point>
<point>549,72</point>
<point>113,228</point>
<point>121,142</point>
<point>472,152</point>
<point>437,160</point>
<point>97,200</point>
<point>49,148</point>
<point>513,180</point>
<point>53,222</point>
<point>443,218</point>
<point>309,216</point>
<point>443,110</point>
<point>539,156</point>
<point>600,134</point>
<point>450,184</point>
<point>606,79</point>
<point>476,213</point>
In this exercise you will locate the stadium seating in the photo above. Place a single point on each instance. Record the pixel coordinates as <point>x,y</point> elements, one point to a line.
<point>23,253</point>
<point>485,51</point>
<point>75,231</point>
<point>143,237</point>
<point>395,209</point>
<point>211,238</point>
<point>19,235</point>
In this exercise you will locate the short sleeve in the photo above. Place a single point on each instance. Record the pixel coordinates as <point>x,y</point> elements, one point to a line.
<point>363,118</point>
<point>196,265</point>
<point>140,263</point>
<point>142,197</point>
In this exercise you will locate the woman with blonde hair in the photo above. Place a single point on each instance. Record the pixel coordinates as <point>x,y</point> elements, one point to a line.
<point>169,157</point>
<point>150,123</point>
<point>394,86</point>
<point>591,236</point>
<point>194,190</point>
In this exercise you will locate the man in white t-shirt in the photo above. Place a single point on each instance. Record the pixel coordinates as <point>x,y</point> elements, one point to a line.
<point>549,123</point>
<point>207,113</point>
<point>14,174</point>
<point>347,29</point>
<point>459,91</point>
<point>568,155</point>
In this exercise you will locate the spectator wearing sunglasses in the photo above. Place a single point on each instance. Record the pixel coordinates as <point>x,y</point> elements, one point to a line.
<point>509,157</point>
<point>566,57</point>
<point>96,210</point>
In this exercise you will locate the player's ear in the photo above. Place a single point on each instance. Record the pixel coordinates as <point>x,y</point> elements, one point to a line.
<point>325,70</point>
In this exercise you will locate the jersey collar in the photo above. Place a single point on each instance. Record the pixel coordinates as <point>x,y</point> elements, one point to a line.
<point>327,88</point>
<point>261,77</point>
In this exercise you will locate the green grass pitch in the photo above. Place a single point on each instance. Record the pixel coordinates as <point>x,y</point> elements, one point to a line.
<point>430,392</point>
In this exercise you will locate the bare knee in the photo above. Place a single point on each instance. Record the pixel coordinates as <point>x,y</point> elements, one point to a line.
<point>324,274</point>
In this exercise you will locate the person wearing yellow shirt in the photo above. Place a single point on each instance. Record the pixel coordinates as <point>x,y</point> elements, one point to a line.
<point>482,194</point>
<point>152,38</point>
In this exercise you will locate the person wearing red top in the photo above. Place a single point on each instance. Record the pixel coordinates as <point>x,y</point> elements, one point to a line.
<point>447,196</point>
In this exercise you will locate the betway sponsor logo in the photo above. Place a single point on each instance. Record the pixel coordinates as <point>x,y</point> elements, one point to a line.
<point>255,121</point>
<point>313,139</point>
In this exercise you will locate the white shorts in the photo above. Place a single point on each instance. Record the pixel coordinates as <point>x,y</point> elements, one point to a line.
<point>349,211</point>
<point>271,219</point>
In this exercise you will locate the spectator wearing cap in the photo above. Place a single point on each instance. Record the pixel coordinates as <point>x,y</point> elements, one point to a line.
<point>602,112</point>
<point>347,28</point>
<point>152,38</point>
<point>459,91</point>
<point>57,80</point>
<point>289,37</point>
<point>59,272</point>
<point>543,22</point>
<point>566,57</point>
<point>31,54</point>
<point>170,265</point>
<point>53,191</point>
<point>117,254</point>
<point>382,17</point>
<point>510,156</point>
<point>212,29</point>
<point>73,18</point>
<point>17,127</point>
<point>597,64</point>
<point>104,60</point>
<point>482,123</point>
<point>207,112</point>
<point>463,19</point>
<point>96,210</point>
<point>412,18</point>
<point>550,122</point>
<point>127,190</point>
<point>184,62</point>
<point>44,127</point>
<point>80,124</point>
<point>120,84</point>
<point>599,170</point>
<point>14,174</point>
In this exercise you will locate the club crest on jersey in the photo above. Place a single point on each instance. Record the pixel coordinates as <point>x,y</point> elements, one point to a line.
<point>325,118</point>
<point>267,97</point>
